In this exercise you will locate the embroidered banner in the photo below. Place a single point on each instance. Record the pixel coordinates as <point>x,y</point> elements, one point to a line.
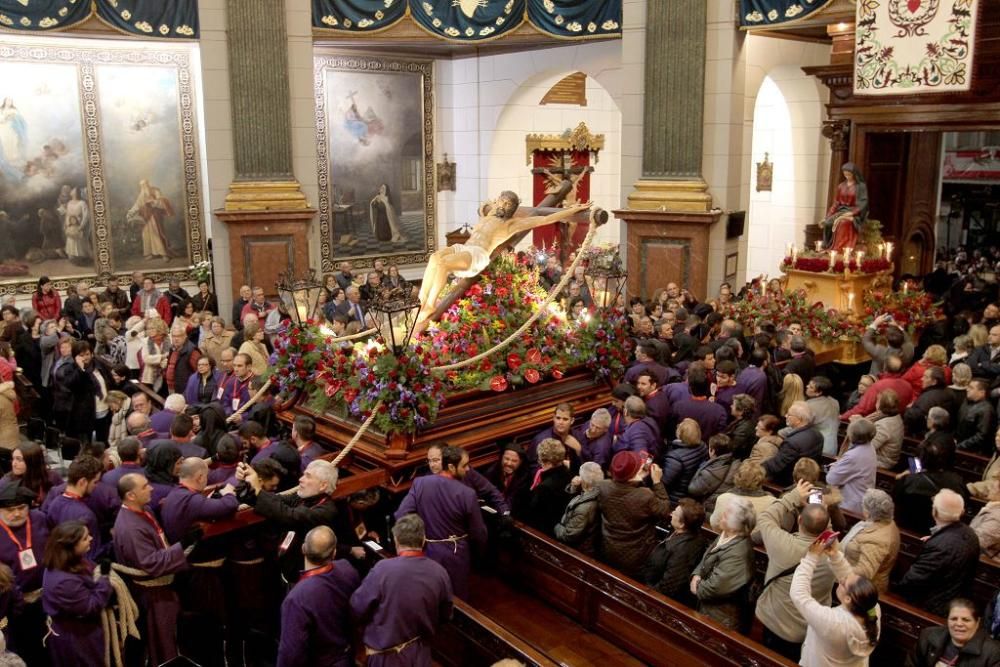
<point>906,47</point>
<point>474,20</point>
<point>763,13</point>
<point>174,19</point>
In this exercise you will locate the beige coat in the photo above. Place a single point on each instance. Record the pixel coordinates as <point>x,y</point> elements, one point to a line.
<point>981,489</point>
<point>888,440</point>
<point>765,448</point>
<point>987,527</point>
<point>872,551</point>
<point>213,345</point>
<point>10,436</point>
<point>258,356</point>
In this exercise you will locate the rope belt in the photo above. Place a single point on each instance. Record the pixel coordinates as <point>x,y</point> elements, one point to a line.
<point>210,563</point>
<point>119,622</point>
<point>3,623</point>
<point>152,582</point>
<point>397,649</point>
<point>451,538</point>
<point>49,631</point>
<point>252,561</point>
<point>31,597</point>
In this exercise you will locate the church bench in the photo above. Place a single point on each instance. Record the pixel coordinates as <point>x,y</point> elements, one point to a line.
<point>643,622</point>
<point>473,639</point>
<point>969,465</point>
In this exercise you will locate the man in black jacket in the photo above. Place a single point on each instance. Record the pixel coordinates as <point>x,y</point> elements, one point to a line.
<point>976,419</point>
<point>985,359</point>
<point>935,394</point>
<point>802,441</point>
<point>947,563</point>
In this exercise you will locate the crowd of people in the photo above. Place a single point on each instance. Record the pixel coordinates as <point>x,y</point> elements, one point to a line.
<point>722,437</point>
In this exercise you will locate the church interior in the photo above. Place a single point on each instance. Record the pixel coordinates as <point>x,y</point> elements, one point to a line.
<point>577,332</point>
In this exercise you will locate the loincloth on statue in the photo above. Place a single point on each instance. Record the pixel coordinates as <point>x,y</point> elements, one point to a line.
<point>480,259</point>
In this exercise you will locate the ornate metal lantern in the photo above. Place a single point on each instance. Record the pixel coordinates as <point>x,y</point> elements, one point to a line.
<point>606,278</point>
<point>300,297</point>
<point>395,313</point>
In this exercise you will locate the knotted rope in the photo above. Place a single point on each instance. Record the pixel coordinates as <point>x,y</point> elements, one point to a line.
<point>119,622</point>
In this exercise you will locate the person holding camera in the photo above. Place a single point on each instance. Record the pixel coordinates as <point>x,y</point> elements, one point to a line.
<point>897,342</point>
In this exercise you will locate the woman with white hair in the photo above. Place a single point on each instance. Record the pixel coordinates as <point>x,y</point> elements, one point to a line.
<point>579,524</point>
<point>872,545</point>
<point>727,568</point>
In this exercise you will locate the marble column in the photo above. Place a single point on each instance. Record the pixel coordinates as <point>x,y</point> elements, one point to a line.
<point>673,106</point>
<point>260,102</point>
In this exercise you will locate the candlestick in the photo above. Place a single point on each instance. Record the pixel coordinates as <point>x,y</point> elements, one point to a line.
<point>833,259</point>
<point>888,250</point>
<point>861,255</point>
<point>850,300</point>
<point>819,246</point>
<point>847,256</point>
<point>788,249</point>
<point>795,255</point>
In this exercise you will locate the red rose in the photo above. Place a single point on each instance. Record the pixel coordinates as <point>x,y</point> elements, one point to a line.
<point>473,350</point>
<point>532,376</point>
<point>498,383</point>
<point>513,361</point>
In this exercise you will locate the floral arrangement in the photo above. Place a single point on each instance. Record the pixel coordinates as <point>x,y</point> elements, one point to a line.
<point>913,310</point>
<point>818,263</point>
<point>355,378</point>
<point>202,271</point>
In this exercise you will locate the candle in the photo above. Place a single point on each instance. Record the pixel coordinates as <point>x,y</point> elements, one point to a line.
<point>861,256</point>
<point>888,250</point>
<point>788,249</point>
<point>847,256</point>
<point>795,254</point>
<point>906,287</point>
<point>833,259</point>
<point>819,246</point>
<point>850,300</point>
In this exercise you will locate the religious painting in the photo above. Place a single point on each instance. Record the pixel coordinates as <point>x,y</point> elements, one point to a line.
<point>375,159</point>
<point>98,162</point>
<point>143,164</point>
<point>46,227</point>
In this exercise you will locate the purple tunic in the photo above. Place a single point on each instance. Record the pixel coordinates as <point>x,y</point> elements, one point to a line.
<point>639,436</point>
<point>711,417</point>
<point>485,491</point>
<point>753,381</point>
<point>222,473</point>
<point>188,448</point>
<point>74,602</point>
<point>265,451</point>
<point>400,599</point>
<point>103,502</point>
<point>30,580</point>
<point>316,620</point>
<point>161,421</point>
<point>449,509</point>
<point>597,450</point>
<point>659,371</point>
<point>310,453</point>
<point>182,508</point>
<point>65,507</point>
<point>112,477</point>
<point>139,545</point>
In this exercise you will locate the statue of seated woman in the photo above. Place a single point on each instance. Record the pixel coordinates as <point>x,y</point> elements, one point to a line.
<point>847,215</point>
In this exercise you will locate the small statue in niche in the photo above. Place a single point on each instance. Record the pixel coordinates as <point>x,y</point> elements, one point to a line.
<point>849,211</point>
<point>765,175</point>
<point>446,175</point>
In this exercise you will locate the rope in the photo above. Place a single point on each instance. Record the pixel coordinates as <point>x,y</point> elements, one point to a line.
<point>361,432</point>
<point>531,320</point>
<point>119,623</point>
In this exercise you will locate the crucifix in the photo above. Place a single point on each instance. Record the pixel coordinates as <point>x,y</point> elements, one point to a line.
<point>561,176</point>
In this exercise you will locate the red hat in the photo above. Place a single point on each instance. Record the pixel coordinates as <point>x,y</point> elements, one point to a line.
<point>625,465</point>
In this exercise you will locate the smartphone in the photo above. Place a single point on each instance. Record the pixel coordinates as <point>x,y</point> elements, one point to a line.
<point>828,537</point>
<point>915,464</point>
<point>816,497</point>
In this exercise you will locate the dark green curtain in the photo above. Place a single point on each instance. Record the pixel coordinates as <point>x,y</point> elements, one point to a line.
<point>772,12</point>
<point>474,20</point>
<point>574,19</point>
<point>357,15</point>
<point>173,19</point>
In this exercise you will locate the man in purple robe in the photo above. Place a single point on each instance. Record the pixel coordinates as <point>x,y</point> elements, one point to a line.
<point>450,511</point>
<point>23,534</point>
<point>752,380</point>
<point>69,504</point>
<point>315,616</point>
<point>203,596</point>
<point>128,452</point>
<point>657,403</point>
<point>485,491</point>
<point>562,424</point>
<point>252,434</point>
<point>403,601</point>
<point>303,432</point>
<point>595,438</point>
<point>642,434</point>
<point>645,361</point>
<point>236,392</point>
<point>173,405</point>
<point>711,417</point>
<point>142,547</point>
<point>181,430</point>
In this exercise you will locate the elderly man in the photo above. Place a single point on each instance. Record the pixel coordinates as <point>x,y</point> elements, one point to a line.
<point>315,615</point>
<point>580,522</point>
<point>855,471</point>
<point>642,434</point>
<point>172,406</point>
<point>872,545</point>
<point>246,295</point>
<point>403,601</point>
<point>452,516</point>
<point>142,546</point>
<point>311,505</point>
<point>784,627</point>
<point>352,306</point>
<point>485,491</point>
<point>344,277</point>
<point>946,565</point>
<point>595,438</point>
<point>182,362</point>
<point>22,545</point>
<point>141,403</point>
<point>140,428</point>
<point>258,306</point>
<point>801,441</point>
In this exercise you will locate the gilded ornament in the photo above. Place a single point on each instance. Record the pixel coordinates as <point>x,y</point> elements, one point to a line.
<point>364,23</point>
<point>329,20</point>
<point>559,19</point>
<point>793,11</point>
<point>452,31</point>
<point>574,26</point>
<point>4,19</point>
<point>550,6</point>
<point>379,15</point>
<point>144,26</point>
<point>487,31</point>
<point>47,22</point>
<point>754,17</point>
<point>64,11</point>
<point>347,23</point>
<point>164,29</point>
<point>126,14</point>
<point>765,175</point>
<point>500,20</point>
<point>185,30</point>
<point>609,25</point>
<point>591,27</point>
<point>428,9</point>
<point>772,15</point>
<point>469,32</point>
<point>436,23</point>
<point>24,2</point>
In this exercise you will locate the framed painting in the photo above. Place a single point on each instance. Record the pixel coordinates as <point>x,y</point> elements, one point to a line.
<point>375,147</point>
<point>99,165</point>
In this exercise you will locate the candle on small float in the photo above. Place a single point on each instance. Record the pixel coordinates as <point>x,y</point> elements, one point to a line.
<point>850,301</point>
<point>833,259</point>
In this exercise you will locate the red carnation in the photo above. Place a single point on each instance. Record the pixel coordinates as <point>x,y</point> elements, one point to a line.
<point>532,376</point>
<point>498,383</point>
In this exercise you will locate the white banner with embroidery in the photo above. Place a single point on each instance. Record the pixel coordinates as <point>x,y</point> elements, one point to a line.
<point>906,47</point>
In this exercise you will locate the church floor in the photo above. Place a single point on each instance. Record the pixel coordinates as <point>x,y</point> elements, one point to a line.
<point>560,638</point>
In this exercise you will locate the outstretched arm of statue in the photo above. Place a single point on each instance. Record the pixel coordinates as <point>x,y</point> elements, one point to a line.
<point>525,224</point>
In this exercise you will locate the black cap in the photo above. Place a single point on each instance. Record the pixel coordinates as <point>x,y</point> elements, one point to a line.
<point>623,391</point>
<point>15,495</point>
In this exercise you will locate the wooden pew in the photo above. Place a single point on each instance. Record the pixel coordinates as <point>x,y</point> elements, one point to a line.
<point>473,639</point>
<point>640,620</point>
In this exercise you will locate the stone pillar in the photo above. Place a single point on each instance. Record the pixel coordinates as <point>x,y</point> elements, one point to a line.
<point>673,106</point>
<point>262,132</point>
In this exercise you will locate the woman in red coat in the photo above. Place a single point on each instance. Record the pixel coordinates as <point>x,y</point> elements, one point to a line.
<point>45,300</point>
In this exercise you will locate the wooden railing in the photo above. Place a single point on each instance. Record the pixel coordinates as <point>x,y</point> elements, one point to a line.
<point>473,639</point>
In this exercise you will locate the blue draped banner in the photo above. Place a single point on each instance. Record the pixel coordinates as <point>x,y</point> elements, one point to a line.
<point>473,20</point>
<point>162,19</point>
<point>762,13</point>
